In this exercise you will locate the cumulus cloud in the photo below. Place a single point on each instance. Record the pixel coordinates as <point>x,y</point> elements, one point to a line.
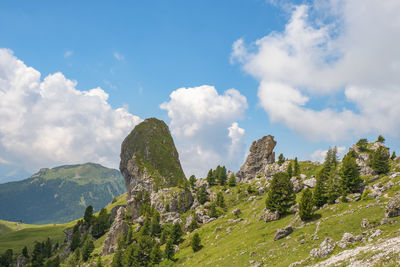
<point>355,55</point>
<point>49,122</point>
<point>320,155</point>
<point>205,126</point>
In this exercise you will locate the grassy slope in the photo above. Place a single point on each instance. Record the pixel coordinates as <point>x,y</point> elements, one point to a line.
<point>27,234</point>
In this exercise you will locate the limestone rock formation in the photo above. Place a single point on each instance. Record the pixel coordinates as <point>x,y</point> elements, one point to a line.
<point>363,157</point>
<point>261,154</point>
<point>150,163</point>
<point>393,207</point>
<point>269,216</point>
<point>119,227</point>
<point>281,233</point>
<point>326,248</point>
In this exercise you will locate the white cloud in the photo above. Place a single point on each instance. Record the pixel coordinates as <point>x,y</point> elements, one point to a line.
<point>319,154</point>
<point>118,56</point>
<point>205,127</point>
<point>356,55</point>
<point>68,53</point>
<point>49,122</point>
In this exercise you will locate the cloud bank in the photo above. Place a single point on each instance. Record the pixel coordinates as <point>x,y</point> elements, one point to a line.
<point>348,49</point>
<point>206,129</point>
<point>49,122</point>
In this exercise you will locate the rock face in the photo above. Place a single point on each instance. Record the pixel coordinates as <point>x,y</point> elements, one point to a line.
<point>393,207</point>
<point>149,159</point>
<point>119,227</point>
<point>150,163</point>
<point>261,154</point>
<point>363,157</point>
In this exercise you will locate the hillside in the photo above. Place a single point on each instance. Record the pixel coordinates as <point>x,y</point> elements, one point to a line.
<point>59,194</point>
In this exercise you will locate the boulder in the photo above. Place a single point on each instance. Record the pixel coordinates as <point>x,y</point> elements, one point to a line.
<point>310,183</point>
<point>326,248</point>
<point>118,228</point>
<point>281,233</point>
<point>347,238</point>
<point>169,217</point>
<point>261,154</point>
<point>236,212</point>
<point>393,207</point>
<point>269,216</point>
<point>22,261</point>
<point>365,223</point>
<point>297,184</point>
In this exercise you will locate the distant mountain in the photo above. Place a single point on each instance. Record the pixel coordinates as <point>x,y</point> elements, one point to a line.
<point>60,194</point>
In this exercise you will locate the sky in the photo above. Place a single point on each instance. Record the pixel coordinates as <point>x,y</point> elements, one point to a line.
<point>76,77</point>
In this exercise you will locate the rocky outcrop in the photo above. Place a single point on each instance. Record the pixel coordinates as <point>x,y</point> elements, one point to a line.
<point>362,159</point>
<point>177,199</point>
<point>393,207</point>
<point>269,216</point>
<point>150,162</point>
<point>261,154</point>
<point>21,261</point>
<point>326,248</point>
<point>118,228</point>
<point>271,169</point>
<point>284,232</point>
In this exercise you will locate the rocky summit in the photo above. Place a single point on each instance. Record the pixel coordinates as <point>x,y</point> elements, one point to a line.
<point>149,160</point>
<point>261,154</point>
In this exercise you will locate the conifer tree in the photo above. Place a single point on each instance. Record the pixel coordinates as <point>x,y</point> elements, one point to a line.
<point>176,233</point>
<point>281,159</point>
<point>220,200</point>
<point>146,228</point>
<point>210,177</point>
<point>193,224</point>
<point>155,224</point>
<point>381,139</point>
<point>362,145</point>
<point>129,236</point>
<point>196,242</point>
<point>290,170</point>
<point>202,195</point>
<point>393,157</point>
<point>76,240</point>
<point>350,176</point>
<point>87,248</point>
<point>333,186</point>
<point>192,181</point>
<point>88,215</point>
<point>281,195</point>
<point>25,252</point>
<point>306,205</point>
<point>296,170</point>
<point>379,160</point>
<point>99,264</point>
<point>232,180</point>
<point>213,211</point>
<point>155,255</point>
<point>320,189</point>
<point>169,250</point>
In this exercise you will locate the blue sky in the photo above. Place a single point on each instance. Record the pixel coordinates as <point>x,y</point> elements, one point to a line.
<point>139,52</point>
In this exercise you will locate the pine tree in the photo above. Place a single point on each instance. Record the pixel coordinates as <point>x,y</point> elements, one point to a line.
<point>213,211</point>
<point>164,235</point>
<point>350,178</point>
<point>196,242</point>
<point>362,145</point>
<point>192,181</point>
<point>220,200</point>
<point>222,176</point>
<point>128,239</point>
<point>232,180</point>
<point>333,186</point>
<point>155,255</point>
<point>281,195</point>
<point>306,205</point>
<point>176,233</point>
<point>76,240</point>
<point>296,167</point>
<point>87,248</point>
<point>320,189</point>
<point>146,228</point>
<point>210,177</point>
<point>379,160</point>
<point>47,248</point>
<point>281,159</point>
<point>37,255</point>
<point>202,195</point>
<point>381,139</point>
<point>169,250</point>
<point>155,224</point>
<point>290,170</point>
<point>193,224</point>
<point>88,215</point>
<point>25,252</point>
<point>393,157</point>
